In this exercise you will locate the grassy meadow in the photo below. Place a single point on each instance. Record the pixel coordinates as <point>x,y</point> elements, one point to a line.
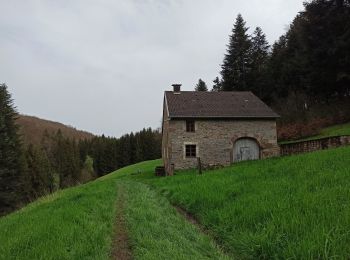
<point>75,223</point>
<point>78,223</point>
<point>336,130</point>
<point>293,207</point>
<point>343,129</point>
<point>157,231</point>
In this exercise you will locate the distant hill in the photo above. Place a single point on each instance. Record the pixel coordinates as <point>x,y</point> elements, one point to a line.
<point>32,129</point>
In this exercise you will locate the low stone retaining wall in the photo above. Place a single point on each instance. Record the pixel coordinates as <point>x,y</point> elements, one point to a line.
<point>314,145</point>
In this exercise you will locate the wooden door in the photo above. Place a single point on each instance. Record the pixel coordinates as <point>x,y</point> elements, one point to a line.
<point>245,149</point>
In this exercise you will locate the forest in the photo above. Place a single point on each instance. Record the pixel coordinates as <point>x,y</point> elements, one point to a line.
<point>31,170</point>
<point>304,76</point>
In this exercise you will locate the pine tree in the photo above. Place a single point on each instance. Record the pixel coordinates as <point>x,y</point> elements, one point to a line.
<point>258,82</point>
<point>217,84</point>
<point>276,68</point>
<point>38,171</point>
<point>324,33</point>
<point>11,155</point>
<point>66,160</point>
<point>47,145</point>
<point>201,86</point>
<point>236,64</point>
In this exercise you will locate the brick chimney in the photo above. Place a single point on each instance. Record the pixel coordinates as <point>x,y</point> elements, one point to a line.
<point>177,88</point>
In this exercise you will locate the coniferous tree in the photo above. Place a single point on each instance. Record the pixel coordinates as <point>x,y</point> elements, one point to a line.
<point>38,172</point>
<point>236,64</point>
<point>11,155</point>
<point>310,63</point>
<point>324,32</point>
<point>275,67</point>
<point>201,86</point>
<point>217,84</point>
<point>258,81</point>
<point>66,160</point>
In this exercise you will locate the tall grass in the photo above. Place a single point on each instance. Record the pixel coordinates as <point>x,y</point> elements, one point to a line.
<point>74,223</point>
<point>157,231</point>
<point>293,207</point>
<point>77,223</point>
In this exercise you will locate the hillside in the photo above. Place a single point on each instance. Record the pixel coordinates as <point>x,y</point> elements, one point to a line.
<point>334,130</point>
<point>32,129</point>
<point>77,223</point>
<point>291,207</point>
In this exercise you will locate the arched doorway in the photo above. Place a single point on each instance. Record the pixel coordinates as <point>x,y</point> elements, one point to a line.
<point>246,149</point>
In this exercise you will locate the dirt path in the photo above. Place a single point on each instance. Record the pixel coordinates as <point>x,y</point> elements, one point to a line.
<point>191,219</point>
<point>121,247</point>
<point>188,216</point>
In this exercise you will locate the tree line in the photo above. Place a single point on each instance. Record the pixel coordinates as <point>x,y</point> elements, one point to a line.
<point>29,171</point>
<point>306,68</point>
<point>303,74</point>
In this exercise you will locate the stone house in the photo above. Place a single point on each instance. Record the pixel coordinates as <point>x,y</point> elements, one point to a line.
<point>220,128</point>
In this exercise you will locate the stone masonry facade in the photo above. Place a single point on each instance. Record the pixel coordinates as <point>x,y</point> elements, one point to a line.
<point>214,140</point>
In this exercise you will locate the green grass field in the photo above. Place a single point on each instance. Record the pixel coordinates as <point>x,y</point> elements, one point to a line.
<point>336,130</point>
<point>77,223</point>
<point>294,207</point>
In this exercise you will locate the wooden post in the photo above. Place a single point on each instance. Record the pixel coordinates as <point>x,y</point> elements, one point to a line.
<point>172,168</point>
<point>199,165</point>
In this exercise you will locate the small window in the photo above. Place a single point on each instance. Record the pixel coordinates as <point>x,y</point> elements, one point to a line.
<point>191,151</point>
<point>190,126</point>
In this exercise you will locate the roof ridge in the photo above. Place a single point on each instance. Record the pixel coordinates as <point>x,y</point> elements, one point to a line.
<point>194,91</point>
<point>229,104</point>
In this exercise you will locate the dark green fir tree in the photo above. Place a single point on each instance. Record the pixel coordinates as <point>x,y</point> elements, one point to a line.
<point>217,84</point>
<point>11,155</point>
<point>236,64</point>
<point>258,81</point>
<point>201,86</point>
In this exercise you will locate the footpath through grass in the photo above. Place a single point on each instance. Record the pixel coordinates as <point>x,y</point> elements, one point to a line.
<point>157,231</point>
<point>78,223</point>
<point>292,207</point>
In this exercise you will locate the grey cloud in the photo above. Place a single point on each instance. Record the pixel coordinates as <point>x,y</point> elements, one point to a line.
<point>102,66</point>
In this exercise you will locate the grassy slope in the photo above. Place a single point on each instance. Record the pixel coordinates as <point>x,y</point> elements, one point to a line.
<point>71,224</point>
<point>158,232</point>
<point>292,207</point>
<point>77,223</point>
<point>336,130</point>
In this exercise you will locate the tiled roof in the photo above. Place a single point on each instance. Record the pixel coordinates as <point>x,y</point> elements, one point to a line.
<point>202,104</point>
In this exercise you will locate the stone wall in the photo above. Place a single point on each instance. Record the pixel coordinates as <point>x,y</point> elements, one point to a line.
<point>215,140</point>
<point>314,145</point>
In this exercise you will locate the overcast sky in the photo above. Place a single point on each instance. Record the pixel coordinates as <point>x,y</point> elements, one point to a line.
<point>102,66</point>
